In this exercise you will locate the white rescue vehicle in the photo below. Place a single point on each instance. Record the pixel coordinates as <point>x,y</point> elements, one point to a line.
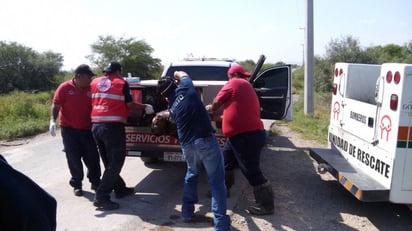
<point>370,134</point>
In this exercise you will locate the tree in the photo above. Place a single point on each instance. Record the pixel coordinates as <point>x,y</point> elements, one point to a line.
<point>407,53</point>
<point>248,65</point>
<point>389,53</point>
<point>22,68</point>
<point>135,56</point>
<point>348,50</point>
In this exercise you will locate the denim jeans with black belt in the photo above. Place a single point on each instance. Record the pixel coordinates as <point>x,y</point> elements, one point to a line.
<point>205,151</point>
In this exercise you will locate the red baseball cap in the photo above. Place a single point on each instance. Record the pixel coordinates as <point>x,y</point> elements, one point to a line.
<point>238,69</point>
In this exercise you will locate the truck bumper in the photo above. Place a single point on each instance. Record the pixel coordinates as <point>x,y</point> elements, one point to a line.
<point>353,179</point>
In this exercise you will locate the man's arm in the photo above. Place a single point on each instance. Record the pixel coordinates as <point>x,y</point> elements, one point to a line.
<point>54,111</point>
<point>216,104</point>
<point>135,106</point>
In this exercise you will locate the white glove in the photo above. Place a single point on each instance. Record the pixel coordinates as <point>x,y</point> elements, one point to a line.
<point>148,109</point>
<point>52,127</point>
<point>209,108</point>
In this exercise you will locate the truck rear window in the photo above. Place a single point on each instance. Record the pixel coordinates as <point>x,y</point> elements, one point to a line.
<point>206,73</point>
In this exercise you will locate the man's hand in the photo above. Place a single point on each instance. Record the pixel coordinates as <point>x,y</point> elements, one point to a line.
<point>52,127</point>
<point>179,74</point>
<point>148,109</point>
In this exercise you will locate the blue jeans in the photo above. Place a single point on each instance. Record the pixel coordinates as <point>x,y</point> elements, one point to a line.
<point>78,145</point>
<point>244,150</point>
<point>111,142</point>
<point>205,151</point>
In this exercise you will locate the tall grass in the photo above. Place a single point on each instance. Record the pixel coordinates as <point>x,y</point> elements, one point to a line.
<point>313,127</point>
<point>24,114</point>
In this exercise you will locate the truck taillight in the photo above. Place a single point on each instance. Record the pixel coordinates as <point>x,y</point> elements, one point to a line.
<point>334,88</point>
<point>394,102</point>
<point>338,72</point>
<point>397,77</point>
<point>389,77</point>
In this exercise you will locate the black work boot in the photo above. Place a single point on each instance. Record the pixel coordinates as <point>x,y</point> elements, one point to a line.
<point>78,191</point>
<point>105,204</point>
<point>264,200</point>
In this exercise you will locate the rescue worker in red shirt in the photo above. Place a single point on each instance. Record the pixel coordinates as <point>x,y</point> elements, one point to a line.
<point>246,137</point>
<point>111,101</point>
<point>72,103</point>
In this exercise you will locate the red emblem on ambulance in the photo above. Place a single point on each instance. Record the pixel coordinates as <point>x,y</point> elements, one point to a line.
<point>336,110</point>
<point>386,126</point>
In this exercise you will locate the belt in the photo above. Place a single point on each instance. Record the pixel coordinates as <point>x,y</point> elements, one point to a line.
<point>205,137</point>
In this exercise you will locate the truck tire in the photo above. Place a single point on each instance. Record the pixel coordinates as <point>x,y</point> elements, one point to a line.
<point>149,160</point>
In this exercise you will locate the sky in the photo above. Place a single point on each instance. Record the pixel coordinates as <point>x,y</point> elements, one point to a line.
<point>242,29</point>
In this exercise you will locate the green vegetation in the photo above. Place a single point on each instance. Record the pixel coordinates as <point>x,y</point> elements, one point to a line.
<point>312,127</point>
<point>22,68</point>
<point>24,114</point>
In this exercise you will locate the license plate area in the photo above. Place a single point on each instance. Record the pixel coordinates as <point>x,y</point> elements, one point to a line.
<point>173,157</point>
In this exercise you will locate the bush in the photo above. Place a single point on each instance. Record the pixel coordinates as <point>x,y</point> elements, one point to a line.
<point>24,114</point>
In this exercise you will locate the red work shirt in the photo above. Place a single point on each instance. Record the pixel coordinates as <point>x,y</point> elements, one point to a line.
<point>241,108</point>
<point>75,106</point>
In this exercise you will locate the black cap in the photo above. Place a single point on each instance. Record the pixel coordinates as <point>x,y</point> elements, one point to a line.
<point>112,67</point>
<point>84,69</point>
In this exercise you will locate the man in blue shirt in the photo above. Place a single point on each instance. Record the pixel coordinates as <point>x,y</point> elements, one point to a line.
<point>24,204</point>
<point>199,146</point>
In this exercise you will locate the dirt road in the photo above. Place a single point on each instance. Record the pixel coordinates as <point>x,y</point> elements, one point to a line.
<point>304,200</point>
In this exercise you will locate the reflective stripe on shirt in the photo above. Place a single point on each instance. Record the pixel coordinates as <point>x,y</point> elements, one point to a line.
<point>97,119</point>
<point>108,96</point>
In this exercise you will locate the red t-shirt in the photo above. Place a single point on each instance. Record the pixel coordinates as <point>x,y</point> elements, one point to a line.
<point>241,108</point>
<point>75,105</point>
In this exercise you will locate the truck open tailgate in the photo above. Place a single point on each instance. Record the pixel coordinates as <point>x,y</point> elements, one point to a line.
<point>352,178</point>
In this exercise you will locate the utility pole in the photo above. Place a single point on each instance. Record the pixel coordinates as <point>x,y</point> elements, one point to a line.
<point>309,60</point>
<point>303,54</point>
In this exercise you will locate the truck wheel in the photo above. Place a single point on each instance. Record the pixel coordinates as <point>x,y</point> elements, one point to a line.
<point>149,160</point>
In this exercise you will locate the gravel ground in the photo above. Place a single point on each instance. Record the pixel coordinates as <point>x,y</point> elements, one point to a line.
<point>306,200</point>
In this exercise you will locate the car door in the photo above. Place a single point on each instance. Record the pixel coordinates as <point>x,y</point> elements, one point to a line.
<point>273,88</point>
